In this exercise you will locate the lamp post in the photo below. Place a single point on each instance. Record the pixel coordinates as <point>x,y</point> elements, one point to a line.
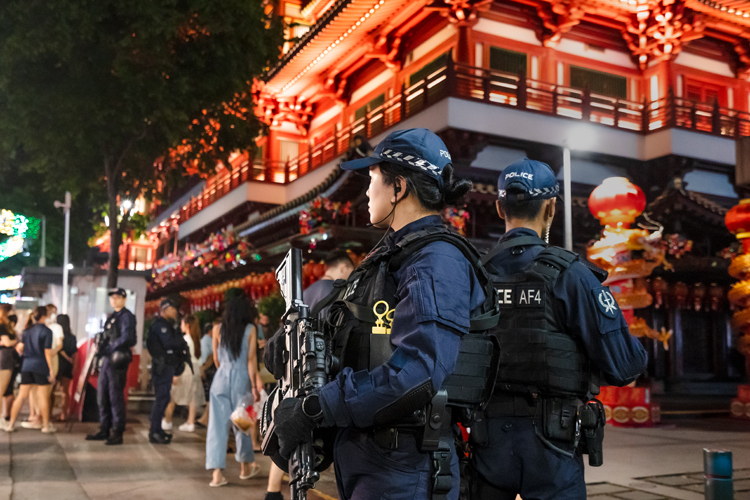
<point>66,207</point>
<point>567,199</point>
<point>43,256</point>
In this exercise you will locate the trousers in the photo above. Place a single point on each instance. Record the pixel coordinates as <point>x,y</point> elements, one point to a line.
<point>162,391</point>
<point>365,471</point>
<point>228,388</point>
<point>515,461</point>
<point>110,396</point>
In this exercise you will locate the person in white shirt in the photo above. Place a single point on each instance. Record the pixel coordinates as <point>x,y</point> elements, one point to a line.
<point>188,390</point>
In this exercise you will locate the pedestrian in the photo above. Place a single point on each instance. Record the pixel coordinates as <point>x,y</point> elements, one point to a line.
<point>169,353</point>
<point>114,350</point>
<point>404,312</point>
<point>236,380</point>
<point>36,371</point>
<point>65,364</point>
<point>8,342</point>
<point>339,266</point>
<point>208,369</point>
<point>560,329</point>
<point>188,390</point>
<point>9,391</point>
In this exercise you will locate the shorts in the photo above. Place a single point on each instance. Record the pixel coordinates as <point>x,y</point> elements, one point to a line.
<point>33,378</point>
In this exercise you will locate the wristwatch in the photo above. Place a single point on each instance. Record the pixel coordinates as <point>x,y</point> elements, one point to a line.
<point>311,408</point>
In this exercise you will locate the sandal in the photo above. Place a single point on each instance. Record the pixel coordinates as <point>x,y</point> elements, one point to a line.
<point>254,471</point>
<point>219,484</point>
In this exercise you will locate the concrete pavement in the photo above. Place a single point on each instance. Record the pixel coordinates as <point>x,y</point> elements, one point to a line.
<point>640,464</point>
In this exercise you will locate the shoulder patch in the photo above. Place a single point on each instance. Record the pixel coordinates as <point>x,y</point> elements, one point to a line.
<point>606,302</point>
<point>163,329</point>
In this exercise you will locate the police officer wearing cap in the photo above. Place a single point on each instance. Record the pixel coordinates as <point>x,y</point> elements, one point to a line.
<point>561,334</point>
<point>115,342</point>
<point>403,314</point>
<point>167,348</point>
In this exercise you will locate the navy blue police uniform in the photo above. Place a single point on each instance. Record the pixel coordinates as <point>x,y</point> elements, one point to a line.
<point>167,348</point>
<point>516,457</point>
<point>121,336</point>
<point>435,293</point>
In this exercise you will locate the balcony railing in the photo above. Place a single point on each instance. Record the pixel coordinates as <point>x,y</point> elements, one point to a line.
<point>491,87</point>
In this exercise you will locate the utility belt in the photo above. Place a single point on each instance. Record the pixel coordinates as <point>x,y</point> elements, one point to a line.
<point>433,432</point>
<point>564,423</point>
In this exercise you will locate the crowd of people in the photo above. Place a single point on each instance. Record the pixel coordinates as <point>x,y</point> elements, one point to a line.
<point>39,359</point>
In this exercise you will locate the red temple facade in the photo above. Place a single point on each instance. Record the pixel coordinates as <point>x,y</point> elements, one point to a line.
<point>653,90</point>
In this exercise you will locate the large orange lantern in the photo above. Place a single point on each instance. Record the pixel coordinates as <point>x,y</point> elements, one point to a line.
<point>738,223</point>
<point>617,202</point>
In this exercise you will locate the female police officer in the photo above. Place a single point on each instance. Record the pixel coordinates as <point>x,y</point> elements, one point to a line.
<point>398,331</point>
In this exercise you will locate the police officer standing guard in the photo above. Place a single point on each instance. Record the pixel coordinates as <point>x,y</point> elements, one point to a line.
<point>169,352</point>
<point>560,330</point>
<point>114,351</point>
<point>399,324</point>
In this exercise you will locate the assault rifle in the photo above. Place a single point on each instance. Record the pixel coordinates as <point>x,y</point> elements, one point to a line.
<point>307,367</point>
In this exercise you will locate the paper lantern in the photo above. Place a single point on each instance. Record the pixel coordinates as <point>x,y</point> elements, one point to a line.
<point>617,201</point>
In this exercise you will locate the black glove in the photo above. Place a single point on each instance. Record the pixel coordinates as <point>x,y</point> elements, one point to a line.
<point>293,427</point>
<point>273,357</point>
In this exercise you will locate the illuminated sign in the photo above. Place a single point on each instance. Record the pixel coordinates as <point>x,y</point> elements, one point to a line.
<point>10,282</point>
<point>17,227</point>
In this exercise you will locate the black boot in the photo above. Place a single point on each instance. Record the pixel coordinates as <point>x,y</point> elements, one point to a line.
<point>115,438</point>
<point>102,435</point>
<point>160,438</point>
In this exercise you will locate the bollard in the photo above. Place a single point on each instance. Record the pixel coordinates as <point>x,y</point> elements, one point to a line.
<point>717,473</point>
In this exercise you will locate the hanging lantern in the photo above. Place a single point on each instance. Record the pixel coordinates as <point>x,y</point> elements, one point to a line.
<point>738,223</point>
<point>617,202</point>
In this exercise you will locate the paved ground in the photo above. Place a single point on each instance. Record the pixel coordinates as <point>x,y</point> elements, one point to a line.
<point>645,464</point>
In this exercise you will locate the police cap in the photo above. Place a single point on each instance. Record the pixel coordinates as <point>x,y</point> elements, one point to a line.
<point>168,302</point>
<point>529,180</point>
<point>416,148</point>
<point>117,291</point>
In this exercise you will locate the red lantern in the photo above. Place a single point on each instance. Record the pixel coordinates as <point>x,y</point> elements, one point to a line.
<point>617,202</point>
<point>319,271</point>
<point>738,223</point>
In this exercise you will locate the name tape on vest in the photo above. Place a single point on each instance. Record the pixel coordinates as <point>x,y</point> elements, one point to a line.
<point>520,296</point>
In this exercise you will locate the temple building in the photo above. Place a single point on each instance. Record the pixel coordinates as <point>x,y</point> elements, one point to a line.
<point>653,90</point>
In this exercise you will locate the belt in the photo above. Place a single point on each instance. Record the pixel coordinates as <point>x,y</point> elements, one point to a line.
<point>511,405</point>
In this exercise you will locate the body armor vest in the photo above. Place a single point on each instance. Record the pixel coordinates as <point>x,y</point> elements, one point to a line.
<point>536,355</point>
<point>361,318</point>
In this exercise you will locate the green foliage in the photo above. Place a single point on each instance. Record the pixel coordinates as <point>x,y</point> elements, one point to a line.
<point>205,317</point>
<point>272,306</point>
<point>94,92</point>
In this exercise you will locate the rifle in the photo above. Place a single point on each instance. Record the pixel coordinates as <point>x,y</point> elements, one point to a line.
<point>308,366</point>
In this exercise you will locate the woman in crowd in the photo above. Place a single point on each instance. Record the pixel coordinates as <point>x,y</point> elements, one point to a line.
<point>234,351</point>
<point>35,419</point>
<point>8,342</point>
<point>65,362</point>
<point>188,390</point>
<point>8,394</point>
<point>36,370</point>
<point>207,369</point>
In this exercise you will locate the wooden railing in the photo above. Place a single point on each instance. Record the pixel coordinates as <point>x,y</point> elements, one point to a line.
<point>491,87</point>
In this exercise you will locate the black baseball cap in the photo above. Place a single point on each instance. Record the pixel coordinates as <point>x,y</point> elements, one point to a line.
<point>416,148</point>
<point>117,291</point>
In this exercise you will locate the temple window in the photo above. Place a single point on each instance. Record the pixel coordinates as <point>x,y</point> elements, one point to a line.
<point>376,118</point>
<point>428,69</point>
<point>598,82</point>
<point>699,91</point>
<point>507,61</point>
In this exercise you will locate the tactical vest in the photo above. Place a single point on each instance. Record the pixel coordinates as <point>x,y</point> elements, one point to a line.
<point>536,355</point>
<point>361,318</point>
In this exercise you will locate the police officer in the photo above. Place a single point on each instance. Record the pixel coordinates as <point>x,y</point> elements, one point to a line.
<point>168,352</point>
<point>118,338</point>
<point>403,321</point>
<point>560,330</point>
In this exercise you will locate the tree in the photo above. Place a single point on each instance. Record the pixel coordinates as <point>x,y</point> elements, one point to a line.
<point>113,94</point>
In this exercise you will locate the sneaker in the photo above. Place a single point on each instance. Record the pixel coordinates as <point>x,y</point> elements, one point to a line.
<point>187,427</point>
<point>50,429</point>
<point>31,425</point>
<point>167,426</point>
<point>3,424</point>
<point>102,435</point>
<point>9,428</point>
